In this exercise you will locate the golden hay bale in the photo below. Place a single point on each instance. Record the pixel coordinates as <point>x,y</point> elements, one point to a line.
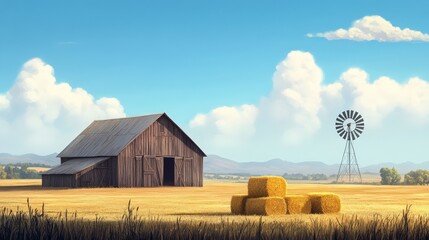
<point>325,202</point>
<point>298,204</point>
<point>238,204</point>
<point>266,186</point>
<point>265,206</point>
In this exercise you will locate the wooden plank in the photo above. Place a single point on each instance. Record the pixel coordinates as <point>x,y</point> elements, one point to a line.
<point>138,171</point>
<point>188,172</point>
<point>179,172</point>
<point>148,171</point>
<point>160,170</point>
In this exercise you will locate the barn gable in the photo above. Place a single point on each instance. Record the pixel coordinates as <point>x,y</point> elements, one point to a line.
<point>139,161</point>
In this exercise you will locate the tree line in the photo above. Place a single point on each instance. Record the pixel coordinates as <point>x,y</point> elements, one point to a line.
<point>300,176</point>
<point>14,171</point>
<point>390,176</point>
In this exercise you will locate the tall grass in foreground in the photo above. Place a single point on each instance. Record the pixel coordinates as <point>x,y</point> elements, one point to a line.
<point>35,224</point>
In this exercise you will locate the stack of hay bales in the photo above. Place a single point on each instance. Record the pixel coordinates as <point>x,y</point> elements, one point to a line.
<point>267,196</point>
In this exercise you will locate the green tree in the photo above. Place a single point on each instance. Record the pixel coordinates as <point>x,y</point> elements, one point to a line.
<point>418,177</point>
<point>2,173</point>
<point>389,176</point>
<point>9,172</point>
<point>318,176</point>
<point>18,172</point>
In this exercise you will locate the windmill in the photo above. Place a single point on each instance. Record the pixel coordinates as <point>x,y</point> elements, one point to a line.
<point>349,125</point>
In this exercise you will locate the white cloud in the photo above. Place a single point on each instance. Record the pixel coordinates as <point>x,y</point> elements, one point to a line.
<point>199,120</point>
<point>289,114</point>
<point>374,28</point>
<point>295,99</point>
<point>229,126</point>
<point>377,100</point>
<point>42,116</point>
<point>295,121</point>
<point>4,102</point>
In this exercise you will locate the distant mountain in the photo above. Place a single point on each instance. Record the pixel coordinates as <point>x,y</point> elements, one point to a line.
<point>402,168</point>
<point>217,164</point>
<point>51,159</point>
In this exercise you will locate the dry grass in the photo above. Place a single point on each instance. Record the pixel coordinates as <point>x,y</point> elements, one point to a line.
<point>266,186</point>
<point>35,224</point>
<point>38,169</point>
<point>209,203</point>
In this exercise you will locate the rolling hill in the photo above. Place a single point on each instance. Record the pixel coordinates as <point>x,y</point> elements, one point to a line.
<point>217,164</point>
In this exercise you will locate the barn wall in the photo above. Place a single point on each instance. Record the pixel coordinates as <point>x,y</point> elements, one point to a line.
<point>92,179</point>
<point>162,138</point>
<point>99,176</point>
<point>67,181</point>
<point>103,174</point>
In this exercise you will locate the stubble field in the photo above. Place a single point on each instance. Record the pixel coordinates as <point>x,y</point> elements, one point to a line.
<point>209,203</point>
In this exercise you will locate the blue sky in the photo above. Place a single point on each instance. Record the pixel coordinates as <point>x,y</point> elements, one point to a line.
<point>191,57</point>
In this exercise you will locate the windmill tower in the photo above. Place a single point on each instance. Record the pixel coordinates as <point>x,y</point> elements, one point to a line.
<point>349,125</point>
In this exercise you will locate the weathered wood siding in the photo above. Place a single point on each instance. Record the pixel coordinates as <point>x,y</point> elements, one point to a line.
<point>103,174</point>
<point>66,181</point>
<point>161,139</point>
<point>99,176</point>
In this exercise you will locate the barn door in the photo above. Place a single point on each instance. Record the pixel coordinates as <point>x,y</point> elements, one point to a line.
<point>159,170</point>
<point>100,175</point>
<point>179,172</point>
<point>149,168</point>
<point>187,170</point>
<point>138,172</point>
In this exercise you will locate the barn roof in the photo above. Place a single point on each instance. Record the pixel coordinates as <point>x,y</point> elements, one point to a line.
<point>110,137</point>
<point>74,166</point>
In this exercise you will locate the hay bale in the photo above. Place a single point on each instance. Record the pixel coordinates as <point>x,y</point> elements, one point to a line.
<point>298,204</point>
<point>266,206</point>
<point>266,186</point>
<point>238,204</point>
<point>325,202</point>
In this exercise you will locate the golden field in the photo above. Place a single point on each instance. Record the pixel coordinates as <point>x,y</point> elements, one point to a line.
<point>38,169</point>
<point>211,202</point>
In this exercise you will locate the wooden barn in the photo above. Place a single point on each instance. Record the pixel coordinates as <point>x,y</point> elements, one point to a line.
<point>146,151</point>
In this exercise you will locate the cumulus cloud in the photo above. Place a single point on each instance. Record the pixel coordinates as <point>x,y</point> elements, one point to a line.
<point>295,99</point>
<point>289,114</point>
<point>4,102</point>
<point>40,115</point>
<point>299,112</point>
<point>227,126</point>
<point>378,99</point>
<point>374,28</point>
